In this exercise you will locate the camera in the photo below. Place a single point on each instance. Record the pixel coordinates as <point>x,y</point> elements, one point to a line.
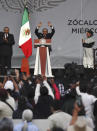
<point>79,101</point>
<point>10,72</point>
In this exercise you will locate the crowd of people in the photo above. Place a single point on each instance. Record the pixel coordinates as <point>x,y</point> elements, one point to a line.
<point>68,100</point>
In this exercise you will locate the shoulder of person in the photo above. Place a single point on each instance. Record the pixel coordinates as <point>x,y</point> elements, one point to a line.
<point>11,35</point>
<point>1,33</point>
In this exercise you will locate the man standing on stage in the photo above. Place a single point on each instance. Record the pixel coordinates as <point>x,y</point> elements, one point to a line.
<point>6,43</point>
<point>88,60</point>
<point>45,34</point>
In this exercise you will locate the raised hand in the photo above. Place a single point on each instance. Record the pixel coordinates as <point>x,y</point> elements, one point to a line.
<point>83,41</point>
<point>49,23</point>
<point>40,24</point>
<point>52,81</point>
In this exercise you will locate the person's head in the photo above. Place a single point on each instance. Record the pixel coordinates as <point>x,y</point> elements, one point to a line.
<point>45,31</point>
<point>89,33</point>
<point>83,87</point>
<point>73,92</point>
<point>9,85</point>
<point>38,78</point>
<point>43,91</point>
<point>6,124</point>
<point>27,115</point>
<point>3,94</point>
<point>95,92</point>
<point>56,129</point>
<point>55,106</point>
<point>6,30</point>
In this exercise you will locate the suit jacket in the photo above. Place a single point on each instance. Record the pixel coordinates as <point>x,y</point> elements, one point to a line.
<point>6,47</point>
<point>48,36</point>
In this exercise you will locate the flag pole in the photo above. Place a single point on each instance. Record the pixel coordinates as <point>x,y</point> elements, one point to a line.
<point>25,61</point>
<point>25,3</point>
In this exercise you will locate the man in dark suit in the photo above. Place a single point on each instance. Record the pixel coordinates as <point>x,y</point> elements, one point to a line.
<point>6,43</point>
<point>45,34</point>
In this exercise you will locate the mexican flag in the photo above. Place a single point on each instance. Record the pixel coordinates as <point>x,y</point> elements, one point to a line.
<point>25,41</point>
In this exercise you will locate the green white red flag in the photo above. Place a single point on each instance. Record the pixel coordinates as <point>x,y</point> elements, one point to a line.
<point>25,41</point>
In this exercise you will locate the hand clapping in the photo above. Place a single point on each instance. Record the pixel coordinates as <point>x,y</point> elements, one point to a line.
<point>40,24</point>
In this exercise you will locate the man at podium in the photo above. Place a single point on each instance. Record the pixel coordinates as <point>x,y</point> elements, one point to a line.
<point>43,45</point>
<point>45,34</point>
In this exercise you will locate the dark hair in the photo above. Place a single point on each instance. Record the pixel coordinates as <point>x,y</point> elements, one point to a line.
<point>83,88</point>
<point>43,91</point>
<point>3,94</point>
<point>6,27</point>
<point>86,88</point>
<point>57,129</point>
<point>95,92</point>
<point>90,32</point>
<point>10,92</point>
<point>6,124</point>
<point>22,103</point>
<point>56,105</point>
<point>73,92</point>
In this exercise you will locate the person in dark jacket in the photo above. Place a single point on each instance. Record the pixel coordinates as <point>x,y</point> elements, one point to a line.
<point>6,43</point>
<point>45,34</point>
<point>23,104</point>
<point>42,108</point>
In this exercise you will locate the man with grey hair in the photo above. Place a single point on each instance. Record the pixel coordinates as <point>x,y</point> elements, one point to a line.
<point>6,43</point>
<point>45,34</point>
<point>26,125</point>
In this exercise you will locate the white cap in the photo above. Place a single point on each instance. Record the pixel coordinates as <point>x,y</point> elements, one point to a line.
<point>9,85</point>
<point>27,115</point>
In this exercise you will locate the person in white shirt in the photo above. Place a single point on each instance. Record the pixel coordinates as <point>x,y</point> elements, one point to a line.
<point>88,44</point>
<point>88,102</point>
<point>37,90</point>
<point>7,104</point>
<point>58,118</point>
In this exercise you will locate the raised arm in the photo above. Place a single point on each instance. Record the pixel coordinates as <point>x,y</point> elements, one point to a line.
<point>49,88</point>
<point>52,29</point>
<point>37,29</point>
<point>75,114</point>
<point>57,93</point>
<point>37,91</point>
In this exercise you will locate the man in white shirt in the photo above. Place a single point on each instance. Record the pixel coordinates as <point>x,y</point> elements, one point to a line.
<point>87,50</point>
<point>88,102</point>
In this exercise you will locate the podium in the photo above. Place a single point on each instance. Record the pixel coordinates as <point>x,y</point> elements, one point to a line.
<point>42,62</point>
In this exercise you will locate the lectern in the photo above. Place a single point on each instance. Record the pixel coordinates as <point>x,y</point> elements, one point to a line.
<point>42,62</point>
